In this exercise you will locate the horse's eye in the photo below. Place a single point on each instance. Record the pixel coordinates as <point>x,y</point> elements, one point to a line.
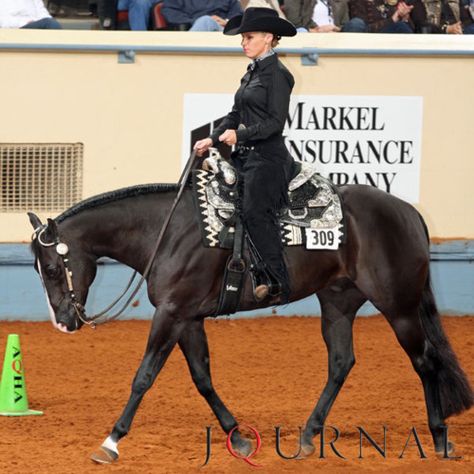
<point>52,271</point>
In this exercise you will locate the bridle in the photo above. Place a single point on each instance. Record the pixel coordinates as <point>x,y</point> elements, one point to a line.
<point>62,250</point>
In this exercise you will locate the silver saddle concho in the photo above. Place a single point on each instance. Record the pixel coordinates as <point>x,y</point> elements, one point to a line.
<point>314,217</point>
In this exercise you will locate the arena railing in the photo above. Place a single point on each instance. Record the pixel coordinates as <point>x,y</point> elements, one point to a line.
<point>309,55</point>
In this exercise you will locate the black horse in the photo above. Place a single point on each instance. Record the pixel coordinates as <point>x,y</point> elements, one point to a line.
<point>385,259</point>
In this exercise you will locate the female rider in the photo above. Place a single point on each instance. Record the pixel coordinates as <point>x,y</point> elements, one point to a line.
<point>255,126</point>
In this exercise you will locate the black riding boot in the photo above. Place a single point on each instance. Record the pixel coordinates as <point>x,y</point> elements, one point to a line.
<point>272,273</point>
<point>274,288</point>
<point>283,285</point>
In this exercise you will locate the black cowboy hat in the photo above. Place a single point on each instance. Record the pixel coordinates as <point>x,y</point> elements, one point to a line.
<point>259,19</point>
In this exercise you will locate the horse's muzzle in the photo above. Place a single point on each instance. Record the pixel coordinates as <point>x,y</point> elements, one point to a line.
<point>72,319</point>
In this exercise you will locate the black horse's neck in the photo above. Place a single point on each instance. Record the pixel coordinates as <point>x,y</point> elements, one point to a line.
<point>124,228</point>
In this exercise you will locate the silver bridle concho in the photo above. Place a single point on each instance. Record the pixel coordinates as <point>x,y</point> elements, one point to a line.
<point>62,250</point>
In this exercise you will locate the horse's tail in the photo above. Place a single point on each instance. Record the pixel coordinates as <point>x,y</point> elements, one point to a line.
<point>455,393</point>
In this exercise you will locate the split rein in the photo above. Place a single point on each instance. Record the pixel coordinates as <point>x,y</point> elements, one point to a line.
<point>62,250</point>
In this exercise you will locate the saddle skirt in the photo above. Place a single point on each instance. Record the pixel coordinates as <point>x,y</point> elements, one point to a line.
<point>314,217</point>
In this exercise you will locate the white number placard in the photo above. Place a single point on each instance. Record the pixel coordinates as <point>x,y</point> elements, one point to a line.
<point>325,239</point>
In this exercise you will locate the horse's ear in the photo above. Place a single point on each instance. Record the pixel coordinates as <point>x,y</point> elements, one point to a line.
<point>34,220</point>
<point>52,230</point>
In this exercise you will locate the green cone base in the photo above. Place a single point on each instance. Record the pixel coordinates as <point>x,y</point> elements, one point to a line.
<point>20,413</point>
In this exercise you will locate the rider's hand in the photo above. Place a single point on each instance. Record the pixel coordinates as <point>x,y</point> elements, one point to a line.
<point>229,137</point>
<point>201,146</point>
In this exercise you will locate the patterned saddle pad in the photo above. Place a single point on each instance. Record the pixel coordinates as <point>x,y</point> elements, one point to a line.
<point>314,217</point>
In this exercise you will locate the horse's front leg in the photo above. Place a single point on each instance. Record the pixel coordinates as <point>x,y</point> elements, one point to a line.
<point>193,343</point>
<point>165,332</point>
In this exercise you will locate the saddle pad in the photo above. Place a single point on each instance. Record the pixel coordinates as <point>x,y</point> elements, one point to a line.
<point>314,217</point>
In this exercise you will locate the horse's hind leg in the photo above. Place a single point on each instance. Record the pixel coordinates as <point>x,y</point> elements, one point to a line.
<point>445,385</point>
<point>165,332</point>
<point>339,305</point>
<point>412,338</point>
<point>193,343</point>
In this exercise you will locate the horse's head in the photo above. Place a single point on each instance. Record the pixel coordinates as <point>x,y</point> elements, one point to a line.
<point>66,271</point>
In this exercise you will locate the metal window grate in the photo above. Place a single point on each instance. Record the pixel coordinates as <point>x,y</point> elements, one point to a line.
<point>40,176</point>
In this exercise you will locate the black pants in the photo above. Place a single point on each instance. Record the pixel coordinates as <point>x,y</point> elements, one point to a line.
<point>264,194</point>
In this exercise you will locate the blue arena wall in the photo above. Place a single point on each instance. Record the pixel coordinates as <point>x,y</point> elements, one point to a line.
<point>22,297</point>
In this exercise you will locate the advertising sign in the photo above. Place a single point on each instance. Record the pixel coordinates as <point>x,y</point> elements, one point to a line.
<point>373,140</point>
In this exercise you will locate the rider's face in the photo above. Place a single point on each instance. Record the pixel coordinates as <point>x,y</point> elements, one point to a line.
<point>255,44</point>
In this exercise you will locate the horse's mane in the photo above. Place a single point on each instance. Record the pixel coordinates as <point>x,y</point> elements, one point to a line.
<point>115,195</point>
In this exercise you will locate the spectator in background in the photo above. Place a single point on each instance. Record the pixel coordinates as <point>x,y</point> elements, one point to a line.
<point>457,17</point>
<point>199,15</point>
<point>138,12</point>
<point>469,13</point>
<point>380,16</point>
<point>273,4</point>
<point>317,16</point>
<point>26,14</point>
<point>107,13</point>
<point>465,17</point>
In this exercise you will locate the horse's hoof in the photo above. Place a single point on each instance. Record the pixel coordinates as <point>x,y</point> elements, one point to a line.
<point>306,451</point>
<point>242,447</point>
<point>104,456</point>
<point>451,452</point>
